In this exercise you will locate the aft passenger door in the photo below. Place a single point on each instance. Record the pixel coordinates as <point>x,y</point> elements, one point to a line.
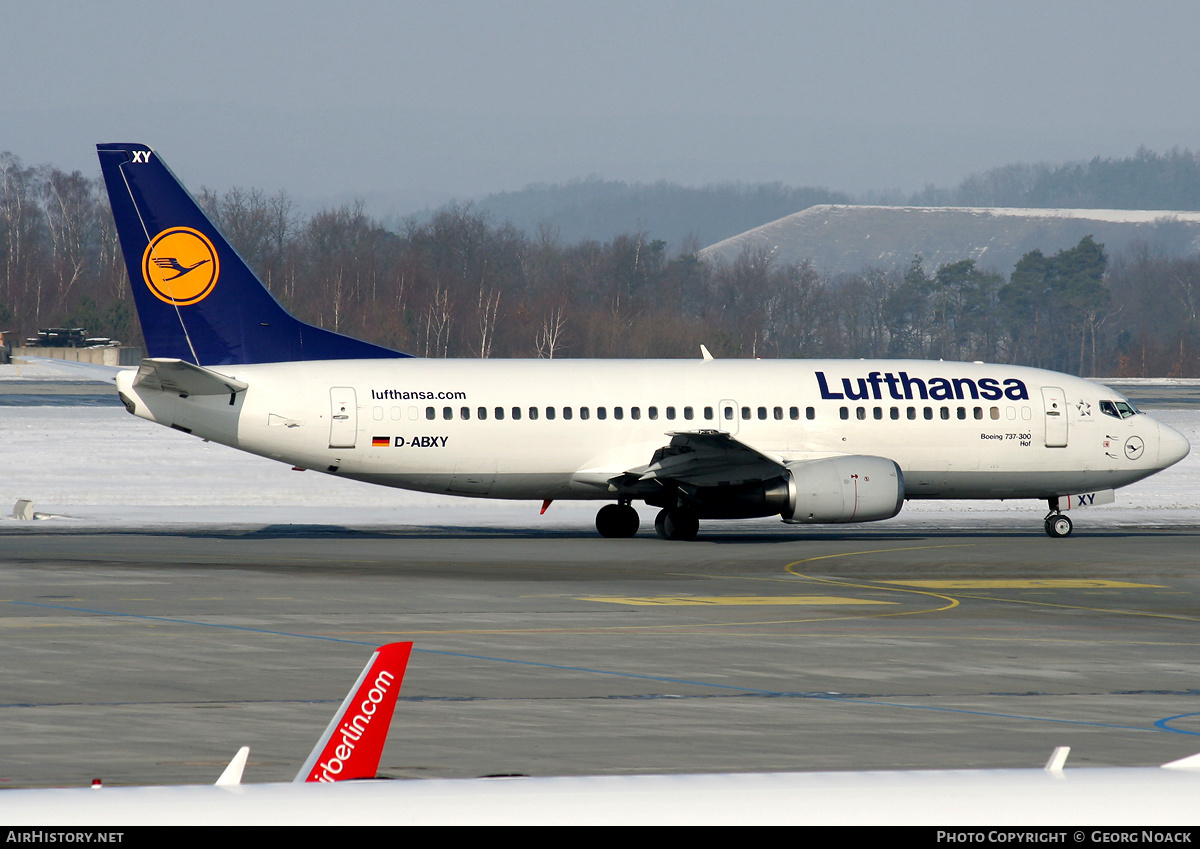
<point>1055,402</point>
<point>343,424</point>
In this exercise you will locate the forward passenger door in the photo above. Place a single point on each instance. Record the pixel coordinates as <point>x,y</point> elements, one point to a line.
<point>1054,401</point>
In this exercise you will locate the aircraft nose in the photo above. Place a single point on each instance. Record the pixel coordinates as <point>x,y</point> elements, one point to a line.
<point>1173,446</point>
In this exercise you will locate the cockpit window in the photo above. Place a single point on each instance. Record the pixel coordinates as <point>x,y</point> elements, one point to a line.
<point>1118,409</point>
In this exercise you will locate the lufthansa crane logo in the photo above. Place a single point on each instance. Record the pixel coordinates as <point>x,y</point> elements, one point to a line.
<point>180,266</point>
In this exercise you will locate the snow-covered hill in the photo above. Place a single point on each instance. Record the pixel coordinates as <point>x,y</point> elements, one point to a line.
<point>851,238</point>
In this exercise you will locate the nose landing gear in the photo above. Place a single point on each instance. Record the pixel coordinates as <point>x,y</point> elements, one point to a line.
<point>1057,525</point>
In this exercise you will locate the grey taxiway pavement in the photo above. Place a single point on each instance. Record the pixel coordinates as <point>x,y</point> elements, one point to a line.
<point>143,657</point>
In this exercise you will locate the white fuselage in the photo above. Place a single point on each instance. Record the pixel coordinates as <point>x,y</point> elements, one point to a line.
<point>561,429</point>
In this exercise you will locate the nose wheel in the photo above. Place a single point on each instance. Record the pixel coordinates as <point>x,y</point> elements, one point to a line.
<point>1058,526</point>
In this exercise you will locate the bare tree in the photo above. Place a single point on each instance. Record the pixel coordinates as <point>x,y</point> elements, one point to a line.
<point>20,223</point>
<point>549,338</point>
<point>488,311</point>
<point>438,320</point>
<point>70,220</point>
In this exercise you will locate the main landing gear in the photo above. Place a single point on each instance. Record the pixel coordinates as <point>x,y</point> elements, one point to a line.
<point>1057,525</point>
<point>619,521</point>
<point>677,523</point>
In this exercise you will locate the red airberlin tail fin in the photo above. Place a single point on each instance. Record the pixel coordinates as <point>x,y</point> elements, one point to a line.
<point>353,743</point>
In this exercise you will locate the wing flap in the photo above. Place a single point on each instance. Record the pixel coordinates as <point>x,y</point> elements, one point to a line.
<point>707,458</point>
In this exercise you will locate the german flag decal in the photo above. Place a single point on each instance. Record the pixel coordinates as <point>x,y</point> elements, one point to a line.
<point>380,441</point>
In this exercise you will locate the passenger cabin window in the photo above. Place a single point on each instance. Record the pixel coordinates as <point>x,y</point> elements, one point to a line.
<point>652,413</point>
<point>533,413</point>
<point>635,412</point>
<point>430,413</point>
<point>602,413</point>
<point>708,413</point>
<point>516,411</point>
<point>499,414</point>
<point>618,412</point>
<point>566,413</point>
<point>465,413</point>
<point>777,414</point>
<point>550,413</point>
<point>689,414</point>
<point>481,413</point>
<point>585,413</point>
<point>671,413</point>
<point>447,413</point>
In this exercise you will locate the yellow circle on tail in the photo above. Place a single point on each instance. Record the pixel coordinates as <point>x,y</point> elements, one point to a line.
<point>180,266</point>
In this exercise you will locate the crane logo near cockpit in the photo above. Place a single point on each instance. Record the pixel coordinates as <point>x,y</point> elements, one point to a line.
<point>180,266</point>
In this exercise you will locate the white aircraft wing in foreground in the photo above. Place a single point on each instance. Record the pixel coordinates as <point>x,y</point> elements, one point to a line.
<point>352,744</point>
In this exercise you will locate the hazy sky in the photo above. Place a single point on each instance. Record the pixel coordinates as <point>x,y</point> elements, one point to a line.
<point>407,104</point>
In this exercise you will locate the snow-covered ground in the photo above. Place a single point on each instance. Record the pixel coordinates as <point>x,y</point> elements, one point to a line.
<point>88,466</point>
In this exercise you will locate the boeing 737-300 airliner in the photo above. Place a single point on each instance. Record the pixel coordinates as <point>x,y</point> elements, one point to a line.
<point>811,441</point>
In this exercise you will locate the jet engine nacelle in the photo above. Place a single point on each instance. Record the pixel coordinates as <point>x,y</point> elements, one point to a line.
<point>853,488</point>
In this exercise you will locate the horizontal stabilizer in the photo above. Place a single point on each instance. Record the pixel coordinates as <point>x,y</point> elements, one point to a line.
<point>184,378</point>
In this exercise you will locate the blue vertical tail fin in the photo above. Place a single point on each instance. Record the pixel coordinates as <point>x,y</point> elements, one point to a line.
<point>197,300</point>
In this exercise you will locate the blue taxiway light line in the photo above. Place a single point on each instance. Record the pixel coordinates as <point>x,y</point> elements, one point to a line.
<point>1160,725</point>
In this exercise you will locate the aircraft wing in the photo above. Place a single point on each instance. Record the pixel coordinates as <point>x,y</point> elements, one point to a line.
<point>706,458</point>
<point>169,375</point>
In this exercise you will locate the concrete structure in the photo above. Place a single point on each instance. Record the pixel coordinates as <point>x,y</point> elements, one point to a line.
<point>96,356</point>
